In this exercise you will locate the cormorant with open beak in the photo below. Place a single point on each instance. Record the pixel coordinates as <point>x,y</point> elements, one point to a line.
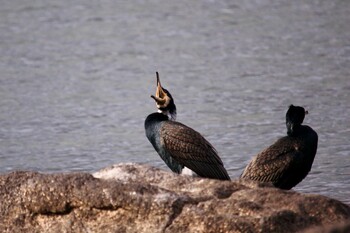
<point>288,161</point>
<point>179,145</point>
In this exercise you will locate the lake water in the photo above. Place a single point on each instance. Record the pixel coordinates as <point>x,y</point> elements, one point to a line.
<point>75,80</point>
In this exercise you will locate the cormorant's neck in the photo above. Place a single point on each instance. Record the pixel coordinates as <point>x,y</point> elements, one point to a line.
<point>169,111</point>
<point>170,114</point>
<point>293,129</point>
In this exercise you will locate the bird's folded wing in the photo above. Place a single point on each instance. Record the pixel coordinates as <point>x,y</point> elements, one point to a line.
<point>271,164</point>
<point>192,150</point>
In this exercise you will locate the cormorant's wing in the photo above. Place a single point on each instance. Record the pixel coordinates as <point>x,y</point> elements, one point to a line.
<point>192,150</point>
<point>274,164</point>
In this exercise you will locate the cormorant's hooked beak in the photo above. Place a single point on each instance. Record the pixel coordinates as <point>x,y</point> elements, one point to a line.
<point>161,98</point>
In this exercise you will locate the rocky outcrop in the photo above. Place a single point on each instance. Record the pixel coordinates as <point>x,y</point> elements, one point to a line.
<point>140,198</point>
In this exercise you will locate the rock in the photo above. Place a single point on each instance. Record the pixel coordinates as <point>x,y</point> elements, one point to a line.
<point>140,198</point>
<point>343,227</point>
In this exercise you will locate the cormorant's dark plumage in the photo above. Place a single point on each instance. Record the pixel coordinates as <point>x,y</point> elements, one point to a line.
<point>179,145</point>
<point>288,161</point>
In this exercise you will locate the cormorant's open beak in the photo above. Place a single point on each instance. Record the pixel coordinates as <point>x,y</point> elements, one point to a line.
<point>161,98</point>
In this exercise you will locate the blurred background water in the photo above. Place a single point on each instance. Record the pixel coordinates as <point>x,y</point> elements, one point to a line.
<point>75,80</point>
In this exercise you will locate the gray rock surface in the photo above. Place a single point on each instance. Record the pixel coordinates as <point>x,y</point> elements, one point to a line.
<point>140,198</point>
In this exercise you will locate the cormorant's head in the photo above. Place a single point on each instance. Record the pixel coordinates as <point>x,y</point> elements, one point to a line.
<point>294,118</point>
<point>164,100</point>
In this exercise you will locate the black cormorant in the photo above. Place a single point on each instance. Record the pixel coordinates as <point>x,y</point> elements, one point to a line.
<point>288,161</point>
<point>179,145</point>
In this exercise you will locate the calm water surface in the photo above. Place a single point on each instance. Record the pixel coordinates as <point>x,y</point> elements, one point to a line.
<point>75,80</point>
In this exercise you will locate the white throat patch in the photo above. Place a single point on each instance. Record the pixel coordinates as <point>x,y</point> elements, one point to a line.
<point>172,117</point>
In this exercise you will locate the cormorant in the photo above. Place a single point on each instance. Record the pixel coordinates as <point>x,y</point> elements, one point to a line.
<point>288,161</point>
<point>179,145</point>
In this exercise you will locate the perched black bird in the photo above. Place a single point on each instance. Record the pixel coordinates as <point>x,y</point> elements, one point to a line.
<point>179,145</point>
<point>288,161</point>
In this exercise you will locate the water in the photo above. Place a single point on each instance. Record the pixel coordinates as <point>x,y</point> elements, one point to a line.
<point>75,80</point>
